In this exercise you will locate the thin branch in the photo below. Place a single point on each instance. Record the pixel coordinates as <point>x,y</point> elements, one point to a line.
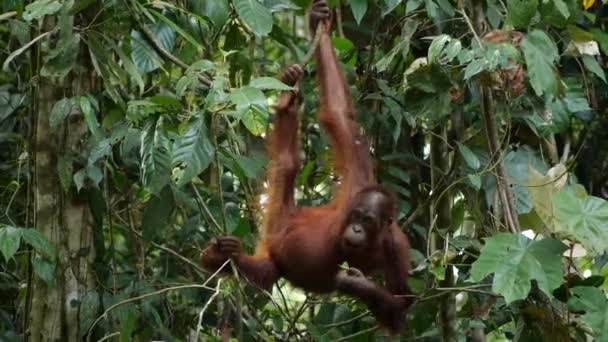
<point>200,315</point>
<point>151,294</point>
<point>168,55</point>
<point>358,333</point>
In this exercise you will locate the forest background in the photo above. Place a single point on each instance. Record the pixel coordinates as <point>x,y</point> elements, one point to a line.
<point>132,132</point>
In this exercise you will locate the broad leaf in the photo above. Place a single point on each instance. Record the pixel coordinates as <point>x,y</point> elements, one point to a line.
<point>10,238</point>
<point>359,8</point>
<point>521,12</point>
<point>143,55</point>
<point>40,8</point>
<point>194,151</point>
<point>516,260</point>
<point>542,187</point>
<point>593,302</point>
<point>541,53</point>
<point>44,269</point>
<point>89,311</point>
<point>592,65</point>
<point>156,157</point>
<point>403,46</point>
<point>86,106</point>
<point>389,6</point>
<point>61,110</point>
<point>255,15</point>
<point>269,83</point>
<point>583,219</point>
<point>40,242</point>
<point>157,213</point>
<point>469,157</point>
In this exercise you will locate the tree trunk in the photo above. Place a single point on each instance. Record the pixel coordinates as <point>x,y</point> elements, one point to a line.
<point>63,217</point>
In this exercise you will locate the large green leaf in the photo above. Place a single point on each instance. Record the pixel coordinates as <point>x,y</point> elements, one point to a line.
<point>143,55</point>
<point>10,238</point>
<point>194,151</point>
<point>251,104</point>
<point>156,156</point>
<point>516,260</point>
<point>521,12</point>
<point>61,110</point>
<point>542,187</point>
<point>359,8</point>
<point>541,53</point>
<point>255,15</point>
<point>584,219</point>
<point>592,65</point>
<point>269,83</point>
<point>517,164</point>
<point>403,46</point>
<point>40,8</point>
<point>157,213</point>
<point>216,10</point>
<point>44,269</point>
<point>40,242</point>
<point>593,302</point>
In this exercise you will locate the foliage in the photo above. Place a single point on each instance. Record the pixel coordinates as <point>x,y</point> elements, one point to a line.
<point>176,99</point>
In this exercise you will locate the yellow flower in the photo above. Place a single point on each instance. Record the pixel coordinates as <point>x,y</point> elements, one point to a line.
<point>588,3</point>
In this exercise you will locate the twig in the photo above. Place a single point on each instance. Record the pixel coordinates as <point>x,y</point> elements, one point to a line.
<point>168,55</point>
<point>200,315</point>
<point>172,252</point>
<point>8,15</point>
<point>358,333</point>
<point>339,19</point>
<point>151,294</point>
<point>348,321</point>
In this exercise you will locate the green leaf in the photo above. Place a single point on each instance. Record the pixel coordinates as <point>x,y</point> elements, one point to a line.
<point>521,12</point>
<point>562,7</point>
<point>469,157</point>
<point>157,213</point>
<point>592,65</point>
<point>156,156</point>
<point>359,8</point>
<point>602,38</point>
<point>247,97</point>
<point>436,46</point>
<point>389,6</point>
<point>65,168</point>
<point>412,5</point>
<point>403,46</point>
<point>10,238</point>
<point>90,118</point>
<point>216,10</point>
<point>516,260</point>
<point>593,302</point>
<point>89,307</point>
<point>128,65</point>
<point>255,119</point>
<point>40,8</point>
<point>61,110</point>
<point>475,181</point>
<point>40,242</point>
<point>541,188</point>
<point>474,67</point>
<point>143,55</point>
<point>194,151</point>
<point>583,219</point>
<point>44,269</point>
<point>541,53</point>
<point>269,83</point>
<point>252,167</point>
<point>255,15</point>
